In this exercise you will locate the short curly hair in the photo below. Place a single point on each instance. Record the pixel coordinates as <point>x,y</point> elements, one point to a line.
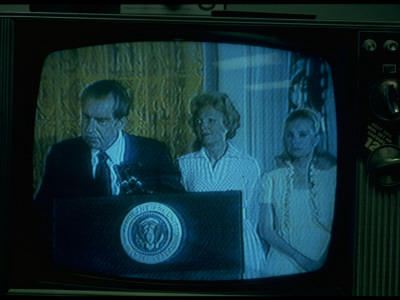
<point>220,102</point>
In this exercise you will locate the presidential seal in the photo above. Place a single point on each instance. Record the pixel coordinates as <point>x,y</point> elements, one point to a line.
<point>151,233</point>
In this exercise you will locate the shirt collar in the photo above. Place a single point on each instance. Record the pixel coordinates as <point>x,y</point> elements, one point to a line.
<point>230,152</point>
<point>115,151</point>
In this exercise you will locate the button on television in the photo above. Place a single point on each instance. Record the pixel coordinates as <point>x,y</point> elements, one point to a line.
<point>389,68</point>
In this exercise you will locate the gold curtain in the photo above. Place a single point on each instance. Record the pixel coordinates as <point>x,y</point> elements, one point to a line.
<point>160,77</point>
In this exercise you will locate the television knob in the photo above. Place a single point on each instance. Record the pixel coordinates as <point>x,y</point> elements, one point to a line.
<point>384,165</point>
<point>369,45</point>
<point>385,100</point>
<point>391,45</point>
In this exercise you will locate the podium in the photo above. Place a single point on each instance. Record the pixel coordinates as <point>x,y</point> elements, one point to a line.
<point>186,236</point>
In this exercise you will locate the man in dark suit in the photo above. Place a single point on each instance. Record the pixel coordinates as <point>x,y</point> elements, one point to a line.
<point>105,160</point>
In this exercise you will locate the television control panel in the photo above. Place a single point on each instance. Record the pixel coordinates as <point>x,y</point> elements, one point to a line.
<point>379,88</point>
<point>378,165</point>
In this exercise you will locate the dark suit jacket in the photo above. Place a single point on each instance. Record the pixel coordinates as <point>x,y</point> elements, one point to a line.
<point>68,171</point>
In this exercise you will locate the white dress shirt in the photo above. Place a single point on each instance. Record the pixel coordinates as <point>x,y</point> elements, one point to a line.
<point>233,171</point>
<point>116,155</point>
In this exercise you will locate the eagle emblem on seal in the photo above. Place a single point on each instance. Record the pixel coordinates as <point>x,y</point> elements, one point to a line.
<point>151,233</point>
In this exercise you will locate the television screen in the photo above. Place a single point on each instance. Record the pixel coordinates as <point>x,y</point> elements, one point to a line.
<point>196,155</point>
<point>199,149</point>
<point>179,120</point>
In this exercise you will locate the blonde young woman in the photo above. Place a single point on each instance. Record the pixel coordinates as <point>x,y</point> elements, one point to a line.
<point>297,200</point>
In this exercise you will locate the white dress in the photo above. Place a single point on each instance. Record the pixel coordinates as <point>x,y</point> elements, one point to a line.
<point>304,221</point>
<point>234,171</point>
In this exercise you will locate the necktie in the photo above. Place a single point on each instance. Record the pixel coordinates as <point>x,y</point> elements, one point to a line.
<point>102,175</point>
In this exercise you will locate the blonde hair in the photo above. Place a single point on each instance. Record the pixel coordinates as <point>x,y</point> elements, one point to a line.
<point>220,102</point>
<point>304,114</point>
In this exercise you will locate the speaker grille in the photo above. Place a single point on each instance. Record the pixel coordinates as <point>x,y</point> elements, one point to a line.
<point>377,238</point>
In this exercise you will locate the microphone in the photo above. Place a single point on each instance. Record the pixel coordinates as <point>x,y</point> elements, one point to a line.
<point>128,182</point>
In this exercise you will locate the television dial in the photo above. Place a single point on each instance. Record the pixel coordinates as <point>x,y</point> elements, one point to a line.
<point>384,165</point>
<point>369,45</point>
<point>385,100</point>
<point>391,45</point>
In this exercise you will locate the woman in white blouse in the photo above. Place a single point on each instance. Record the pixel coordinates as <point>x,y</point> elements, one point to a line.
<point>215,165</point>
<point>297,200</point>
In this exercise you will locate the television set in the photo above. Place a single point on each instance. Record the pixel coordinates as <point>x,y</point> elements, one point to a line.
<point>269,64</point>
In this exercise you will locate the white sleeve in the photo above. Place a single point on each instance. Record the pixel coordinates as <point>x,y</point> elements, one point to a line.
<point>266,189</point>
